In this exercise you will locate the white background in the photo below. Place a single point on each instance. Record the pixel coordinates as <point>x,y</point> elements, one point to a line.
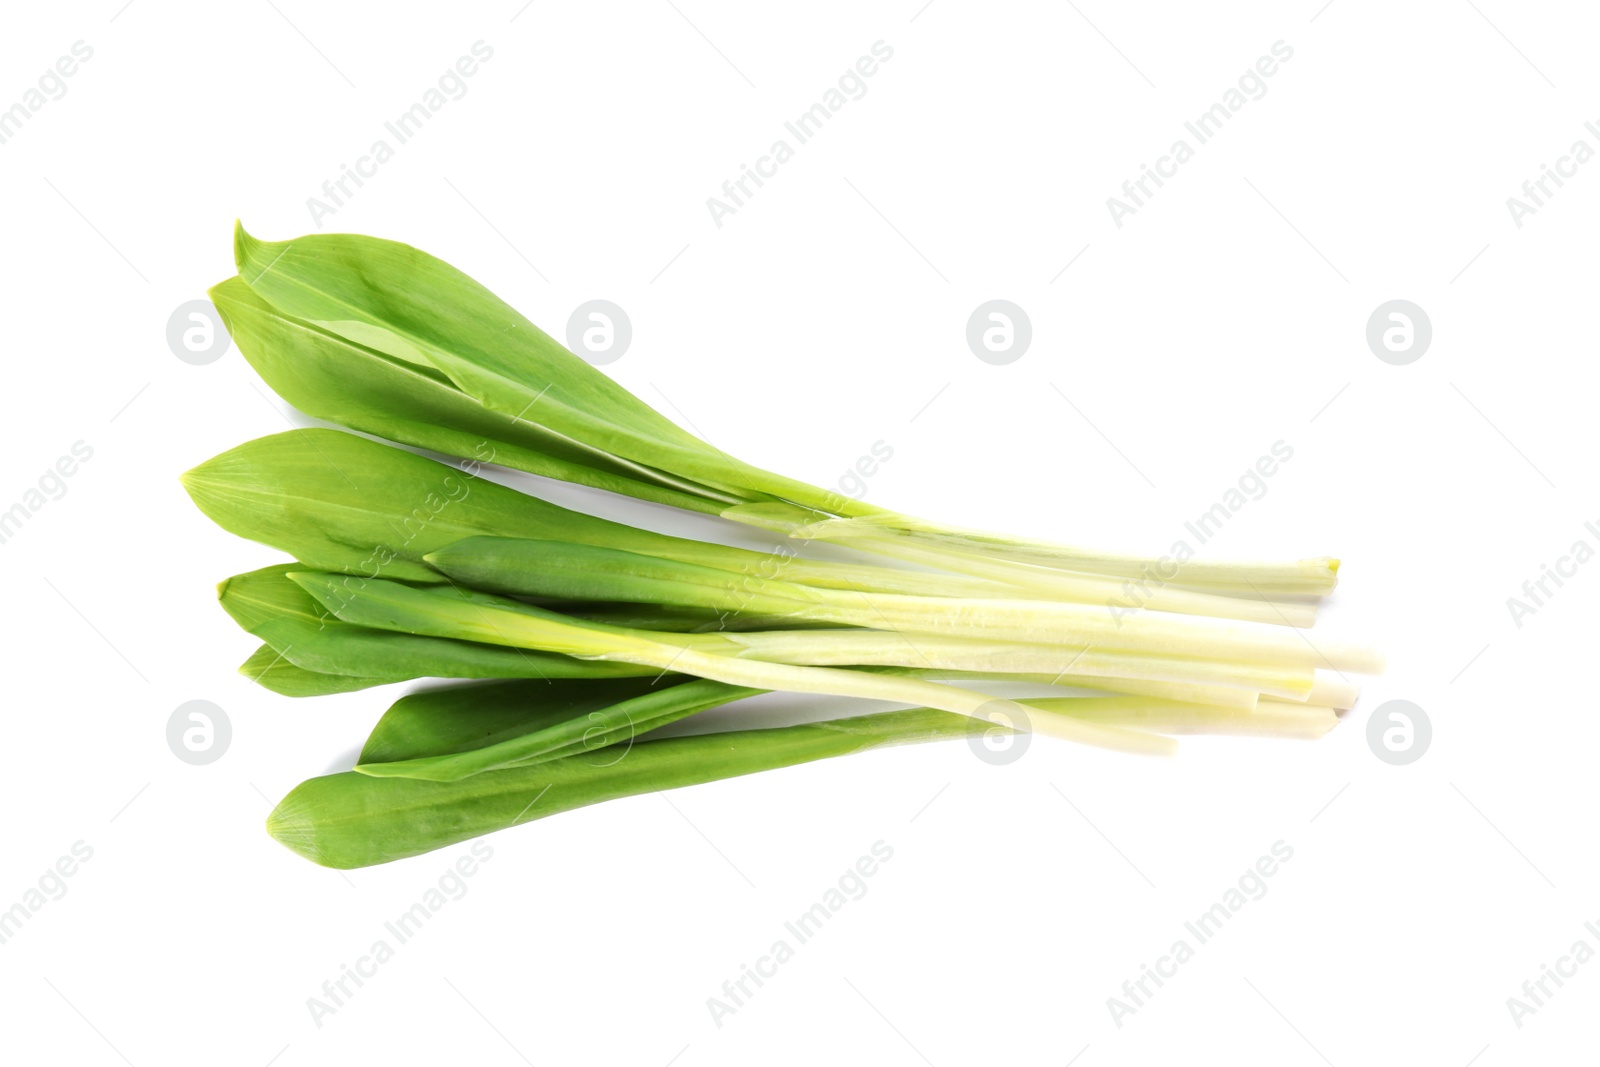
<point>826,315</point>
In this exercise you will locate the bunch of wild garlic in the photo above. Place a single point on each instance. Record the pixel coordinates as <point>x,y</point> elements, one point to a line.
<point>584,634</point>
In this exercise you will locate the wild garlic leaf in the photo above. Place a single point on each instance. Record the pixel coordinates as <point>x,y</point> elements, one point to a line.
<point>445,735</point>
<point>343,503</point>
<point>268,605</point>
<point>333,377</point>
<point>462,718</point>
<point>417,309</point>
<point>267,668</point>
<point>355,820</point>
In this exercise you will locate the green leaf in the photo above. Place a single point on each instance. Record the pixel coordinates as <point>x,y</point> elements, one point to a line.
<point>267,667</point>
<point>343,503</point>
<point>469,615</point>
<point>444,735</point>
<point>473,715</point>
<point>419,310</point>
<point>270,606</point>
<point>334,378</point>
<point>355,820</point>
<point>567,571</point>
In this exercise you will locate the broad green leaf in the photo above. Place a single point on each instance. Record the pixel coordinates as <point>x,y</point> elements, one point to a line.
<point>460,718</point>
<point>417,309</point>
<point>344,503</point>
<point>267,667</point>
<point>270,606</point>
<point>355,820</point>
<point>339,502</point>
<point>444,735</point>
<point>334,378</point>
<point>470,615</point>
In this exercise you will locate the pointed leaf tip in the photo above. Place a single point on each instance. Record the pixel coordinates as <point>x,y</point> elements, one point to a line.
<point>201,478</point>
<point>253,257</point>
<point>218,293</point>
<point>243,245</point>
<point>192,480</point>
<point>291,826</point>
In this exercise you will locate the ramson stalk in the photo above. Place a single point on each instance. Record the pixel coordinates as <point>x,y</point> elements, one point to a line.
<point>493,620</point>
<point>552,569</point>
